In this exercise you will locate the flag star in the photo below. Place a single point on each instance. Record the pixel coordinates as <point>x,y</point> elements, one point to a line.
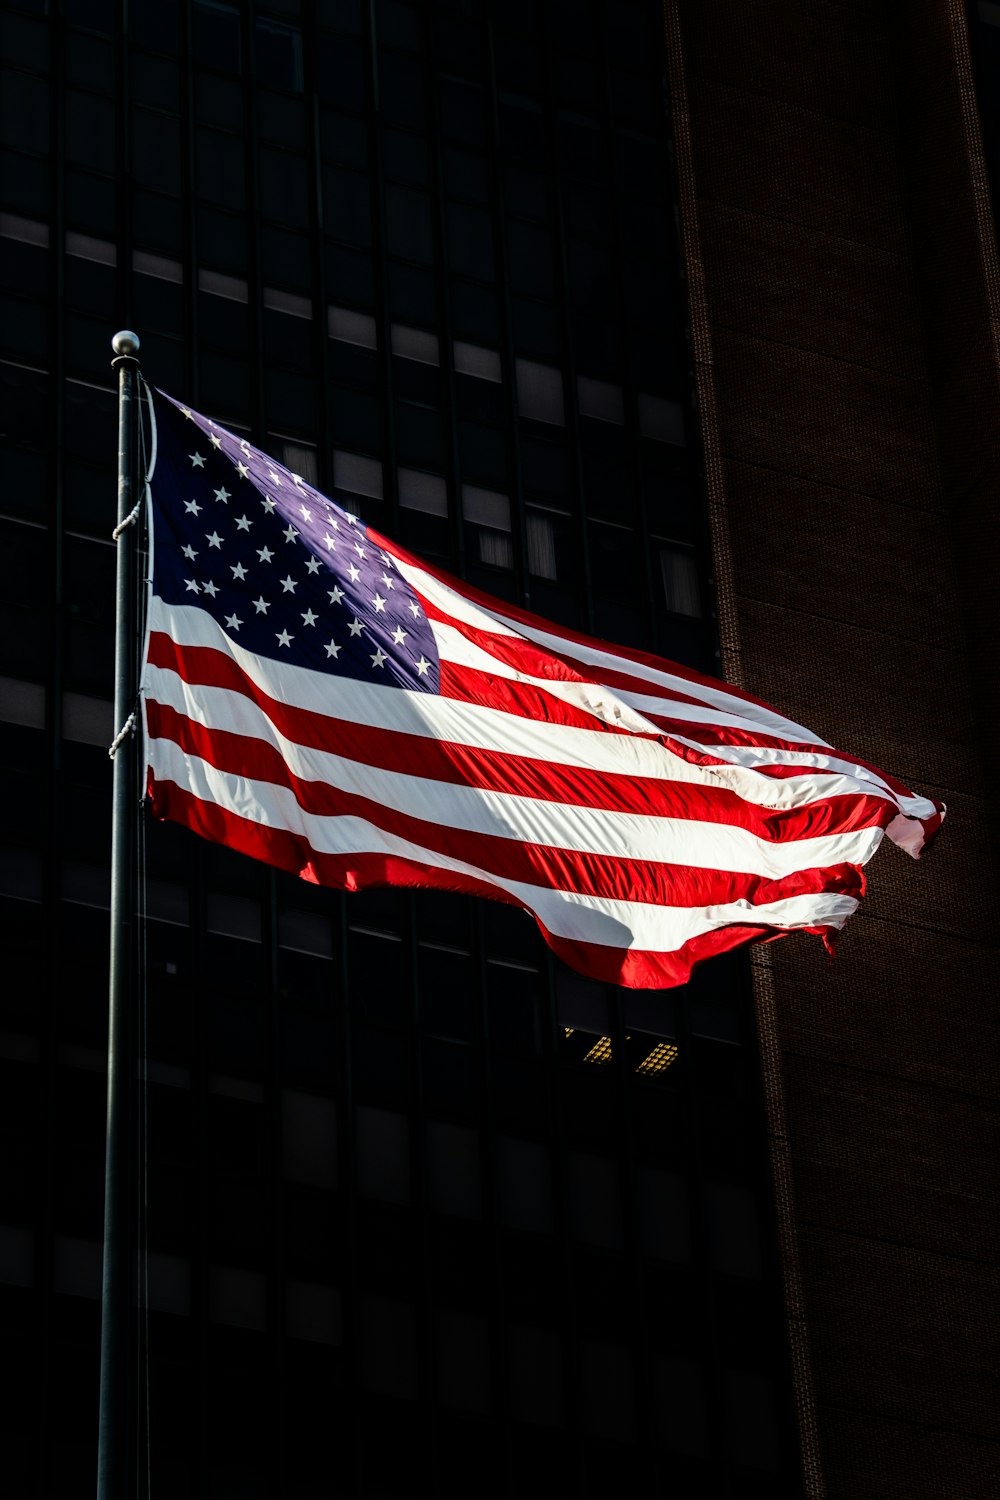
<point>188,413</point>
<point>265,554</point>
<point>333,521</point>
<point>387,581</point>
<point>222,495</point>
<point>289,584</point>
<point>291,534</point>
<point>243,523</point>
<point>379,604</point>
<point>242,470</point>
<point>262,605</point>
<point>414,608</point>
<point>354,572</point>
<point>284,639</point>
<point>191,586</point>
<point>190,553</point>
<point>355,627</point>
<point>238,571</point>
<point>245,447</point>
<point>233,622</point>
<point>197,460</point>
<point>359,549</point>
<point>268,504</point>
<point>333,650</point>
<point>213,539</point>
<point>215,441</point>
<point>307,514</point>
<point>209,588</point>
<point>312,566</point>
<point>297,479</point>
<point>379,657</point>
<point>273,477</point>
<point>192,507</point>
<point>336,594</point>
<point>399,635</point>
<point>422,667</point>
<point>331,544</point>
<point>351,520</point>
<point>308,618</point>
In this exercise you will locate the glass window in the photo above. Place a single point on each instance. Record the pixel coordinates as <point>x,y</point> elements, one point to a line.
<point>383,1154</point>
<point>278,55</point>
<point>309,1138</point>
<point>347,206</point>
<point>595,1199</point>
<point>216,35</point>
<point>462,1364</point>
<point>539,392</point>
<point>90,128</point>
<point>25,119</point>
<point>462,111</point>
<point>284,190</point>
<point>536,1376</point>
<point>470,241</point>
<point>408,224</point>
<point>523,1185</point>
<point>388,1346</point>
<point>219,168</point>
<point>454,1184</point>
<point>530,260</point>
<point>731,1229</point>
<point>607,1384</point>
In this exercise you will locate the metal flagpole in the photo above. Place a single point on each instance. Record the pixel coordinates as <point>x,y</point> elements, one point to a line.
<point>114,1433</point>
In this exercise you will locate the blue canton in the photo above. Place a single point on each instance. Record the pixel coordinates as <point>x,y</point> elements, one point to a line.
<point>284,571</point>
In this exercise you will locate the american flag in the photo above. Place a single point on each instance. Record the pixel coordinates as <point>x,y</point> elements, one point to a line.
<point>322,700</point>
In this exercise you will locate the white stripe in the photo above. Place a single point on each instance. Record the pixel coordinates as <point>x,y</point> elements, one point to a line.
<point>428,716</point>
<point>531,820</point>
<point>615,924</point>
<point>733,708</point>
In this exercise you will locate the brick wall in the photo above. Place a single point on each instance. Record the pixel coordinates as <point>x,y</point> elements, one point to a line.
<point>844,295</point>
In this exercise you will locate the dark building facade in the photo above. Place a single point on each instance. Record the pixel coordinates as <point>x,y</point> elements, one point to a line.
<point>649,321</point>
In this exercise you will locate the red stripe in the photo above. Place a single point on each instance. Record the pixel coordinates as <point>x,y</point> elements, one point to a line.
<point>633,968</point>
<point>523,776</point>
<point>601,875</point>
<point>500,608</point>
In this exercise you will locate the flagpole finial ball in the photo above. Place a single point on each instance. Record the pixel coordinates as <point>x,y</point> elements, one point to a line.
<point>125,344</point>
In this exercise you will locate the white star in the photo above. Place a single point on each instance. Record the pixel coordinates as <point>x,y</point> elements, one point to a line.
<point>359,549</point>
<point>243,523</point>
<point>213,539</point>
<point>399,635</point>
<point>354,572</point>
<point>289,584</point>
<point>297,479</point>
<point>355,627</point>
<point>242,470</point>
<point>265,554</point>
<point>422,667</point>
<point>222,495</point>
<point>268,504</point>
<point>191,586</point>
<point>233,622</point>
<point>351,520</point>
<point>333,521</point>
<point>331,544</point>
<point>238,571</point>
<point>312,566</point>
<point>308,618</point>
<point>190,553</point>
<point>192,507</point>
<point>209,588</point>
<point>333,650</point>
<point>197,460</point>
<point>387,581</point>
<point>307,514</point>
<point>284,639</point>
<point>379,604</point>
<point>290,534</point>
<point>244,447</point>
<point>187,412</point>
<point>414,608</point>
<point>336,594</point>
<point>262,605</point>
<point>216,442</point>
<point>379,659</point>
<point>272,476</point>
